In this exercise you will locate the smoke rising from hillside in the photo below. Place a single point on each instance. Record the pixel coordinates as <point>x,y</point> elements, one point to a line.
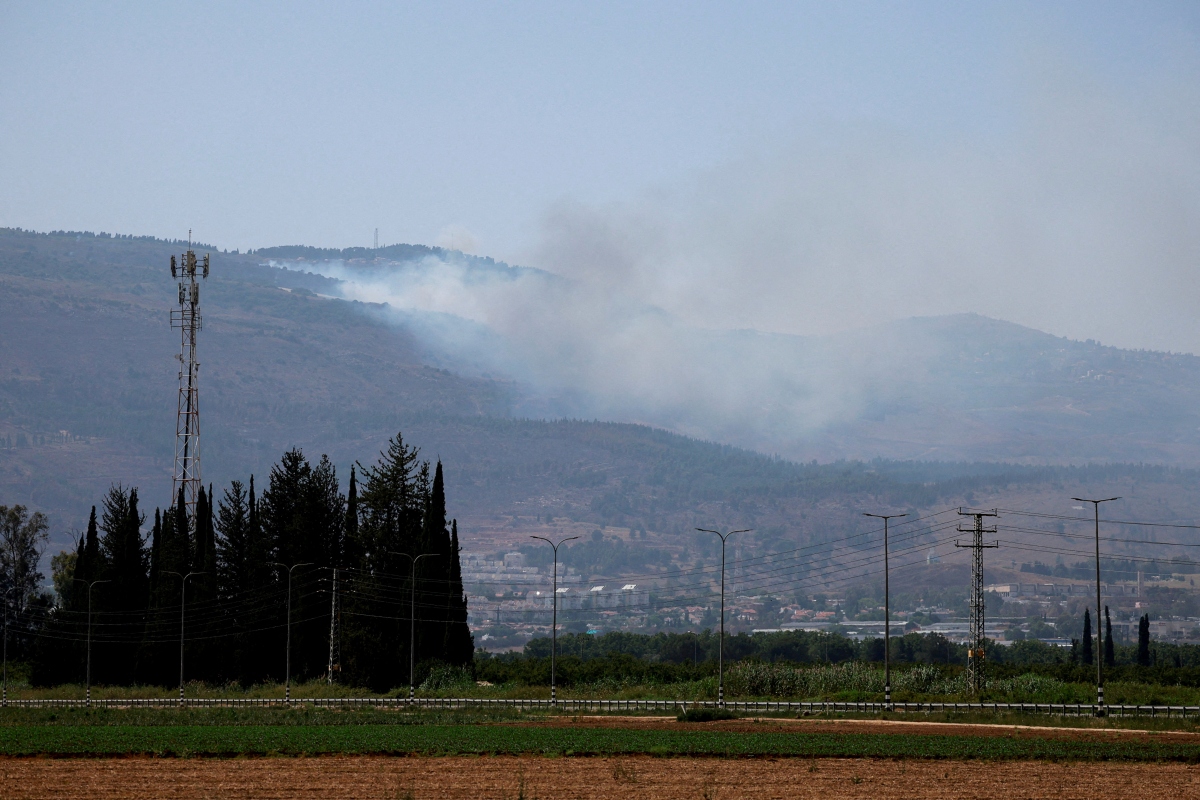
<point>1083,220</point>
<point>581,349</point>
<point>708,308</point>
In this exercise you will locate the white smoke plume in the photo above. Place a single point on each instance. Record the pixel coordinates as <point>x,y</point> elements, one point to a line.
<point>709,308</point>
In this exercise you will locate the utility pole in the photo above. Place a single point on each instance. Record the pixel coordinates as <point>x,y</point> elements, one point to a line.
<point>6,593</point>
<point>554,615</point>
<point>335,633</point>
<point>1099,636</point>
<point>887,612</point>
<point>412,620</point>
<point>721,647</point>
<point>89,584</point>
<point>287,689</point>
<point>188,320</point>
<point>975,646</point>
<point>182,607</point>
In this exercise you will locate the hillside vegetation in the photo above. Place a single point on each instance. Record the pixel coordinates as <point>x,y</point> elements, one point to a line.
<point>88,386</point>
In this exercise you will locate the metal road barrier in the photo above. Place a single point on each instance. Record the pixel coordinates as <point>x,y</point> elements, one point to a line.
<point>615,706</point>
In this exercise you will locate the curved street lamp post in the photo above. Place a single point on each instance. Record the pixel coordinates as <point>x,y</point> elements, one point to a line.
<point>412,618</point>
<point>89,584</point>
<point>287,690</point>
<point>182,606</point>
<point>554,614</point>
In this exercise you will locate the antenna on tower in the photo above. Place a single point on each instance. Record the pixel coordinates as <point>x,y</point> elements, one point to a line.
<point>187,319</point>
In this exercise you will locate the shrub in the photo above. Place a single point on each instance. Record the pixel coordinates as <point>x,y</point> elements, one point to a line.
<point>706,715</point>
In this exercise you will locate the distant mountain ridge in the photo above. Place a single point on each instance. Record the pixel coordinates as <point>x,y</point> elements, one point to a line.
<point>86,347</point>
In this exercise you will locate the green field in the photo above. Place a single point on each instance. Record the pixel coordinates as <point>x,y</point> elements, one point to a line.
<point>240,740</point>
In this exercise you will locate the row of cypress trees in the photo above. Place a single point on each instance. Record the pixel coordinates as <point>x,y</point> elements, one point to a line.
<point>1083,647</point>
<point>243,557</point>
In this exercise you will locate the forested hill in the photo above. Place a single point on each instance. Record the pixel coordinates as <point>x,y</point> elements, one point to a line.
<point>88,382</point>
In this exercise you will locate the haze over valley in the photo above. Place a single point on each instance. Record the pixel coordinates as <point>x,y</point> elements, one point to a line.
<point>624,272</point>
<point>334,352</point>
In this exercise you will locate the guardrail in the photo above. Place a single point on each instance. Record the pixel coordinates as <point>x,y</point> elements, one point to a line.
<point>616,706</point>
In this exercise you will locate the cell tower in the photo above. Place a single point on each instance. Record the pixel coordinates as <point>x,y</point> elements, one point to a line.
<point>975,646</point>
<point>187,419</point>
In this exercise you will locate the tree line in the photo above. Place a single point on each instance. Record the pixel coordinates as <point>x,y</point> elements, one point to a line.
<point>223,576</point>
<point>674,657</point>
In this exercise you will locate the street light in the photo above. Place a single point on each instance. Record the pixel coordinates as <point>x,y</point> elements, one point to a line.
<point>182,606</point>
<point>554,614</point>
<point>90,584</point>
<point>287,687</point>
<point>721,648</point>
<point>412,619</point>
<point>887,612</point>
<point>1099,635</point>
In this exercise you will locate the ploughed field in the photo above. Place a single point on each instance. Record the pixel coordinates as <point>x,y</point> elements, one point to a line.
<point>584,757</point>
<point>616,777</point>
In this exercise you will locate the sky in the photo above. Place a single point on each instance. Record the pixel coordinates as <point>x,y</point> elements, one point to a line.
<point>791,167</point>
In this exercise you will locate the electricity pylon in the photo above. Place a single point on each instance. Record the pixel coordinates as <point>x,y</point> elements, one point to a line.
<point>975,645</point>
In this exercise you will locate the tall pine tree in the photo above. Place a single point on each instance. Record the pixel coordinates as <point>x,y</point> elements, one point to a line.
<point>391,506</point>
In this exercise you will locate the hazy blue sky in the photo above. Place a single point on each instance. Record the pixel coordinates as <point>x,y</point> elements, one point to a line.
<point>565,134</point>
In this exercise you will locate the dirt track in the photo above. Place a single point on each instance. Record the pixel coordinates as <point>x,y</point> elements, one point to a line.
<point>631,778</point>
<point>914,727</point>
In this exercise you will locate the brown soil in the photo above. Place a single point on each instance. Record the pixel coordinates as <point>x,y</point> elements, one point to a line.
<point>624,778</point>
<point>918,728</point>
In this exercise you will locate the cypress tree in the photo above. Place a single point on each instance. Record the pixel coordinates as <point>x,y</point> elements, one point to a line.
<point>201,589</point>
<point>90,567</point>
<point>460,644</point>
<point>433,598</point>
<point>352,550</point>
<point>1110,656</point>
<point>210,545</point>
<point>182,540</point>
<point>200,540</point>
<point>251,509</point>
<point>155,554</point>
<point>125,594</point>
<point>1143,651</point>
<point>158,660</point>
<point>1086,656</point>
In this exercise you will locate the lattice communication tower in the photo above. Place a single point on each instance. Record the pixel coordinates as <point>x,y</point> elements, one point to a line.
<point>187,420</point>
<point>975,645</point>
